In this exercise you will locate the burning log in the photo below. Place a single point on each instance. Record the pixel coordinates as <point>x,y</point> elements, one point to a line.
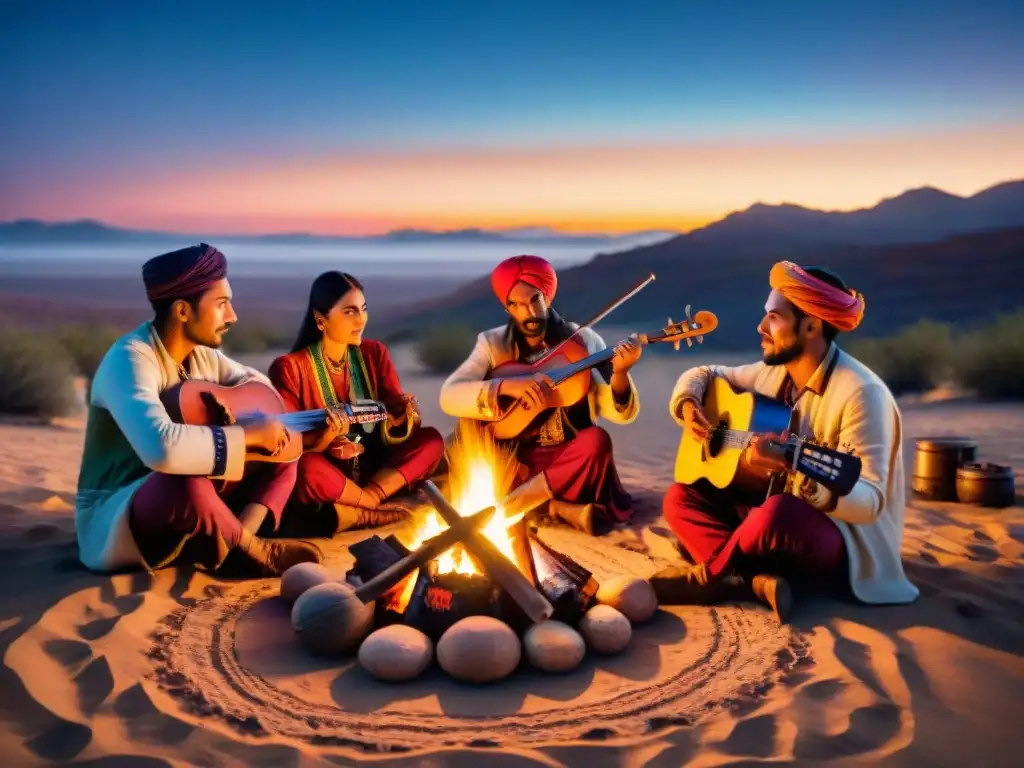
<point>464,528</point>
<point>498,567</point>
<point>373,555</point>
<point>569,586</point>
<point>439,600</point>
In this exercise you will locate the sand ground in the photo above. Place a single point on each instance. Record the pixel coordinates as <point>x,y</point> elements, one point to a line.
<point>937,683</point>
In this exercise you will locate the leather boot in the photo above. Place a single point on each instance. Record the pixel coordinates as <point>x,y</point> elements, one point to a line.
<point>385,483</point>
<point>775,592</point>
<point>527,496</point>
<point>351,517</point>
<point>354,496</point>
<point>687,585</point>
<point>282,555</point>
<point>357,508</point>
<point>263,558</point>
<point>579,516</point>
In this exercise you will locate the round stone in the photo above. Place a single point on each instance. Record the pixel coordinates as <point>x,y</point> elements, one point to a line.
<point>396,652</point>
<point>606,629</point>
<point>553,646</point>
<point>479,649</point>
<point>632,596</point>
<point>329,619</point>
<point>301,577</point>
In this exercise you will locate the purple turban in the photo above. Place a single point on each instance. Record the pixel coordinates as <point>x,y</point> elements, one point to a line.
<point>183,274</point>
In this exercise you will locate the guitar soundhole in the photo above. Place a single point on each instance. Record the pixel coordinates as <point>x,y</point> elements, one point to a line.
<point>716,439</point>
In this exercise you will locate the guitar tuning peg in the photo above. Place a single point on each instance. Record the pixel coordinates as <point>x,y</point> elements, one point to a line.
<point>689,342</point>
<point>700,339</point>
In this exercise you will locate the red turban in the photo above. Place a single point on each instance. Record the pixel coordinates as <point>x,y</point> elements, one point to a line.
<point>843,309</point>
<point>532,270</point>
<point>183,274</point>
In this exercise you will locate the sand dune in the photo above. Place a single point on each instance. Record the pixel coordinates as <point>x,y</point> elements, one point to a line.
<point>139,669</point>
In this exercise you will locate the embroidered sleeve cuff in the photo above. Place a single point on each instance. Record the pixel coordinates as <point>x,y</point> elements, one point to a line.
<point>487,400</point>
<point>231,445</point>
<point>624,403</point>
<point>220,451</point>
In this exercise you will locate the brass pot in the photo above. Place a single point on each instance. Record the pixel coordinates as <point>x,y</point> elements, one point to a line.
<point>987,485</point>
<point>935,465</point>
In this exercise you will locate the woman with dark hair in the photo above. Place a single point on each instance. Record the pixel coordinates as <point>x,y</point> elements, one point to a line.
<point>332,363</point>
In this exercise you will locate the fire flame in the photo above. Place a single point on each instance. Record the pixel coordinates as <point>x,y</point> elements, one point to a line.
<point>480,473</point>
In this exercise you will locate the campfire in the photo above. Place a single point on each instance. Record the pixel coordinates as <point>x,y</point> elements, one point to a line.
<point>473,578</point>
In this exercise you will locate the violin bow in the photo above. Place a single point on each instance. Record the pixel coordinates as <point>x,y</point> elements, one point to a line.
<point>600,315</point>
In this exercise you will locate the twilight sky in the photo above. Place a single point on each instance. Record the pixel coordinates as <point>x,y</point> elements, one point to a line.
<point>360,117</point>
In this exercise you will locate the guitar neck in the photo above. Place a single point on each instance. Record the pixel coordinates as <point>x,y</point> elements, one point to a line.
<point>836,471</point>
<point>304,421</point>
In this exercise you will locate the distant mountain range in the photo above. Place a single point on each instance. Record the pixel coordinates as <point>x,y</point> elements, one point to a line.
<point>917,215</point>
<point>87,232</point>
<point>925,253</point>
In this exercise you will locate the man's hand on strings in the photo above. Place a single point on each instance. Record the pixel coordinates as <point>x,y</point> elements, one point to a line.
<point>532,391</point>
<point>695,420</point>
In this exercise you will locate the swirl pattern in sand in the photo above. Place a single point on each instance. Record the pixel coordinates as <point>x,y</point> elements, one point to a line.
<point>234,656</point>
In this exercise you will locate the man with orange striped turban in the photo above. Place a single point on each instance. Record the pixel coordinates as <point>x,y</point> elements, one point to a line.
<point>565,456</point>
<point>805,534</point>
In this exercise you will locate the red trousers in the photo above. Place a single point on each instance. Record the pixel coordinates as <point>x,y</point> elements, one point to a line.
<point>322,478</point>
<point>580,471</point>
<point>785,535</point>
<point>187,517</point>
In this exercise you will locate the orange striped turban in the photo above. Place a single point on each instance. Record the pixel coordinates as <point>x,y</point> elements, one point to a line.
<point>842,309</point>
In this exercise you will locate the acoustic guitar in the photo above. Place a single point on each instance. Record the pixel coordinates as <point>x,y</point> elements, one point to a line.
<point>736,417</point>
<point>569,368</point>
<point>206,403</point>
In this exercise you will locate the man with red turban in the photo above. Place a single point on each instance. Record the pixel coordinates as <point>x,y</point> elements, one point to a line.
<point>805,534</point>
<point>145,489</point>
<point>564,455</point>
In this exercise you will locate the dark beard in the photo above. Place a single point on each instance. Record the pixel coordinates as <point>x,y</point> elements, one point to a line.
<point>556,330</point>
<point>784,355</point>
<point>534,328</point>
<point>213,342</point>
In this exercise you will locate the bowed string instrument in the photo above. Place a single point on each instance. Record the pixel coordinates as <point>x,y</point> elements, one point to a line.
<point>569,363</point>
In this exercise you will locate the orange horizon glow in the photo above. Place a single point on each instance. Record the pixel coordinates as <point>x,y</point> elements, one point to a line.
<point>611,189</point>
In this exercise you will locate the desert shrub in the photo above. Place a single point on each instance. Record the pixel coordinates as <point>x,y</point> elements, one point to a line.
<point>990,360</point>
<point>914,360</point>
<point>86,345</point>
<point>246,338</point>
<point>443,347</point>
<point>33,380</point>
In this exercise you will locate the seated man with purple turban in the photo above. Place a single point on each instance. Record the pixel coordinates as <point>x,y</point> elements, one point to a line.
<point>145,489</point>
